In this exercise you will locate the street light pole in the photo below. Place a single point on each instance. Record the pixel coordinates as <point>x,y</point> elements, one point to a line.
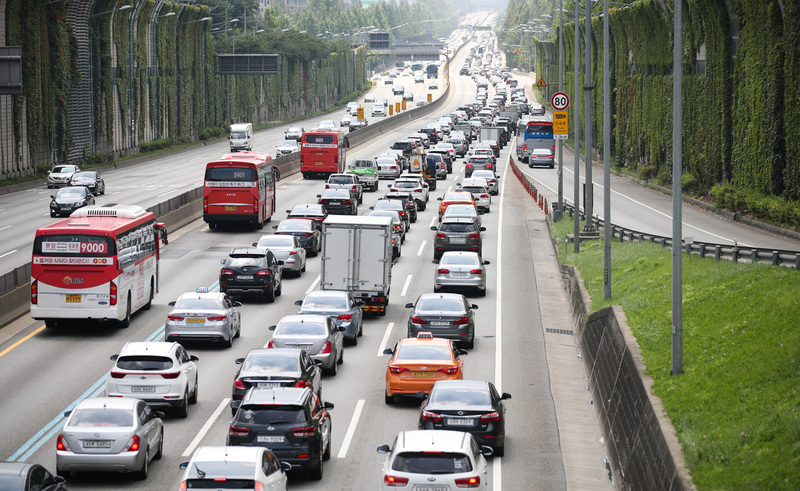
<point>560,211</point>
<point>606,160</point>
<point>576,239</point>
<point>587,106</point>
<point>677,192</point>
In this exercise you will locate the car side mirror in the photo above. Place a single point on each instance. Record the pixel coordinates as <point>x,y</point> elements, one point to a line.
<point>318,362</point>
<point>439,198</point>
<point>371,207</point>
<point>473,307</point>
<point>223,261</point>
<point>319,196</point>
<point>286,466</point>
<point>433,227</point>
<point>114,357</point>
<point>159,414</point>
<point>281,262</point>
<point>409,305</point>
<point>52,196</point>
<point>288,211</point>
<point>388,351</point>
<point>486,451</point>
<point>183,465</point>
<point>360,303</point>
<point>328,405</point>
<point>483,229</point>
<point>505,396</point>
<point>384,449</point>
<point>237,304</point>
<point>422,395</point>
<point>275,227</point>
<point>171,304</point>
<point>235,404</point>
<point>272,328</point>
<point>59,480</point>
<point>255,244</point>
<point>486,262</point>
<point>239,361</point>
<point>194,358</point>
<point>462,352</point>
<point>342,328</point>
<point>298,302</point>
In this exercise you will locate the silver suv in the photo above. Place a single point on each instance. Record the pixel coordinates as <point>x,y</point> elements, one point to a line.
<point>457,234</point>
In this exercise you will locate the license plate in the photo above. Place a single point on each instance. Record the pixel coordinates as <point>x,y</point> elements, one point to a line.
<point>74,298</point>
<point>143,388</point>
<point>97,444</point>
<point>439,323</point>
<point>268,385</point>
<point>191,320</point>
<point>245,277</point>
<point>270,439</point>
<point>458,240</point>
<point>432,488</point>
<point>319,163</point>
<point>230,208</point>
<point>423,374</point>
<point>300,346</point>
<point>459,275</point>
<point>460,422</point>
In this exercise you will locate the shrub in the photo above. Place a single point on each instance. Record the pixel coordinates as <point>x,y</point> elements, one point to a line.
<point>646,172</point>
<point>690,184</point>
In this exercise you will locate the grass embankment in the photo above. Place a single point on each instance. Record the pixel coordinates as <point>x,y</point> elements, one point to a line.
<point>736,407</point>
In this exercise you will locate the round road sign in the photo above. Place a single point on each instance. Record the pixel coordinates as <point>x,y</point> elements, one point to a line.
<point>560,101</point>
<point>524,65</point>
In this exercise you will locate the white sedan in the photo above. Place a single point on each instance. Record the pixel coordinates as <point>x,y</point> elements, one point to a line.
<point>218,467</point>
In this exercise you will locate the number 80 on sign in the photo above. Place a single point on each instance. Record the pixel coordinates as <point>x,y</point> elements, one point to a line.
<point>559,101</point>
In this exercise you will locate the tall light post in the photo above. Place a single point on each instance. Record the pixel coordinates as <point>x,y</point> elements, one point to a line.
<point>560,211</point>
<point>587,106</point>
<point>606,159</point>
<point>677,192</point>
<point>576,233</point>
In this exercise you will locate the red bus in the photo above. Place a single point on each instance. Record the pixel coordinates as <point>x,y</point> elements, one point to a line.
<point>323,153</point>
<point>239,187</point>
<point>101,263</point>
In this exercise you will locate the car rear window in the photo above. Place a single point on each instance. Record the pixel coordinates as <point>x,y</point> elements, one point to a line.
<point>144,363</point>
<point>459,228</point>
<point>270,415</point>
<point>460,397</point>
<point>340,180</point>
<point>319,138</point>
<point>448,304</point>
<point>195,303</point>
<point>221,483</point>
<point>421,352</point>
<point>212,469</point>
<point>325,302</point>
<point>270,363</point>
<point>295,226</point>
<point>300,329</point>
<point>275,241</point>
<point>459,259</point>
<point>239,262</point>
<point>474,189</point>
<point>432,463</point>
<point>101,417</point>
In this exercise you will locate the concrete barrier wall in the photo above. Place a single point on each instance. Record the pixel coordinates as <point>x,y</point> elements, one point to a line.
<point>643,448</point>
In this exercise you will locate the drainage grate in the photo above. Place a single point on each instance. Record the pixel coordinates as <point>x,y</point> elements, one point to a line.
<point>559,331</point>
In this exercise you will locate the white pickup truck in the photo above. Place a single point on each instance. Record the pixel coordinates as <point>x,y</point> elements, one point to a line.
<point>367,172</point>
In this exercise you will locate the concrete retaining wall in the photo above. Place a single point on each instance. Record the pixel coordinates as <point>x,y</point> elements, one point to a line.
<point>641,441</point>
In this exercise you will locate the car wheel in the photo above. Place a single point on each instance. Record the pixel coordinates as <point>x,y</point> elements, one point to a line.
<point>279,291</point>
<point>387,398</point>
<point>193,397</point>
<point>127,320</point>
<point>482,293</point>
<point>354,341</point>
<point>530,166</point>
<point>488,209</point>
<point>341,357</point>
<point>315,472</point>
<point>238,331</point>
<point>303,269</point>
<point>160,451</point>
<point>182,411</point>
<point>499,451</point>
<point>361,330</point>
<point>52,215</point>
<point>269,294</point>
<point>142,474</point>
<point>50,323</point>
<point>470,344</point>
<point>334,369</point>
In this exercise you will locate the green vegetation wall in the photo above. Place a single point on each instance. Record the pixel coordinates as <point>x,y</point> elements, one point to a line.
<point>741,118</point>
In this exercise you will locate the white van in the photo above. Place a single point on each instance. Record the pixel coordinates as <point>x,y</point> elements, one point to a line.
<point>241,137</point>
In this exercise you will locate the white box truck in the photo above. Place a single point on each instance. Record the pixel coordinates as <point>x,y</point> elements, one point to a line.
<point>357,257</point>
<point>241,137</point>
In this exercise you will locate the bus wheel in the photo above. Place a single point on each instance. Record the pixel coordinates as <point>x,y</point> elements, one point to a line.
<point>212,225</point>
<point>127,320</point>
<point>305,175</point>
<point>152,293</point>
<point>50,323</point>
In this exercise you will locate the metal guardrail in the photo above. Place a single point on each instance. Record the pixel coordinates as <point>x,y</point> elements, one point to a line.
<point>733,252</point>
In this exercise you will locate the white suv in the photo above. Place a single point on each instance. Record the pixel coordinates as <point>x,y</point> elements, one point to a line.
<point>480,193</point>
<point>162,374</point>
<point>435,459</point>
<point>419,190</point>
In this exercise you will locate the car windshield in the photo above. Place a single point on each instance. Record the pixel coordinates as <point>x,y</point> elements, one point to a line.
<point>101,417</point>
<point>199,303</point>
<point>298,328</point>
<point>84,175</point>
<point>299,225</point>
<point>460,397</point>
<point>71,193</point>
<point>440,304</point>
<point>268,362</point>
<point>64,168</point>
<point>423,352</point>
<point>462,228</point>
<point>275,241</point>
<point>459,259</point>
<point>144,363</point>
<point>324,302</point>
<point>270,415</point>
<point>432,463</point>
<point>288,143</point>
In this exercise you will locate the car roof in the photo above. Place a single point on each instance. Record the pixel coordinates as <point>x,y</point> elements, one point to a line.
<point>315,319</point>
<point>423,341</point>
<point>316,208</point>
<point>454,296</point>
<point>222,454</point>
<point>443,440</point>
<point>145,347</point>
<point>18,469</point>
<point>211,295</point>
<point>461,384</point>
<point>456,219</point>
<point>276,395</point>
<point>108,403</point>
<point>249,251</point>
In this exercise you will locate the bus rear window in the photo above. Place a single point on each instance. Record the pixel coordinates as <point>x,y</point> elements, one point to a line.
<point>539,128</point>
<point>77,245</point>
<point>240,174</point>
<point>316,138</point>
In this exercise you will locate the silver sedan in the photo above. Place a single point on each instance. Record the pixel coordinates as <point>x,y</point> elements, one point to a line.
<point>204,316</point>
<point>340,306</point>
<point>445,315</point>
<point>110,434</point>
<point>286,248</point>
<point>315,334</point>
<point>461,269</point>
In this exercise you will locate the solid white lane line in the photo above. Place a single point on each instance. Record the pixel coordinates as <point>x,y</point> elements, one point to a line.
<point>348,437</point>
<point>202,433</point>
<point>8,253</point>
<point>405,285</point>
<point>419,252</point>
<point>163,194</point>
<point>448,190</point>
<point>313,285</point>
<point>433,220</point>
<point>385,338</point>
<point>497,466</point>
<point>7,226</point>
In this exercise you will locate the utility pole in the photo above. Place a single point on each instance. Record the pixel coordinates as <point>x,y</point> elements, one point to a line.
<point>560,212</point>
<point>576,240</point>
<point>677,191</point>
<point>606,160</point>
<point>587,106</point>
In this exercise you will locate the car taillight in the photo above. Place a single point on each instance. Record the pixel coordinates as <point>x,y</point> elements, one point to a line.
<point>393,167</point>
<point>183,486</point>
<point>474,236</point>
<point>303,431</point>
<point>395,369</point>
<point>238,431</point>
<point>392,190</point>
<point>35,292</point>
<point>303,384</point>
<point>461,321</point>
<point>488,166</point>
<point>402,213</point>
<point>469,166</point>
<point>61,444</point>
<point>264,272</point>
<point>238,384</point>
<point>225,272</point>
<point>175,317</point>
<point>525,147</point>
<point>394,481</point>
<point>307,235</point>
<point>112,293</point>
<point>443,271</point>
<point>217,318</point>
<point>270,344</point>
<point>489,417</point>
<point>292,253</point>
<point>347,202</point>
<point>117,375</point>
<point>418,320</point>
<point>326,348</point>
<point>450,370</point>
<point>327,186</point>
<point>429,416</point>
<point>468,482</point>
<point>484,196</point>
<point>255,204</point>
<point>133,444</point>
<point>418,190</point>
<point>170,375</point>
<point>353,188</point>
<point>345,317</point>
<point>476,271</point>
<point>439,235</point>
<point>397,227</point>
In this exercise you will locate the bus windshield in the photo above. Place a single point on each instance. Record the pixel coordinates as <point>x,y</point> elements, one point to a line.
<point>236,174</point>
<point>319,138</point>
<point>533,128</point>
<point>77,245</point>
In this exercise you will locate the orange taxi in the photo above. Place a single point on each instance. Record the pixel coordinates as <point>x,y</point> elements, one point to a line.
<point>417,363</point>
<point>454,197</point>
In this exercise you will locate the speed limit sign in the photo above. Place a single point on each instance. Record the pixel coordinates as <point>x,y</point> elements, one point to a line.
<point>560,101</point>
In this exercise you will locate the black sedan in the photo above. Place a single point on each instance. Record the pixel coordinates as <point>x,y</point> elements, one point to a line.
<point>408,200</point>
<point>69,199</point>
<point>268,368</point>
<point>20,476</point>
<point>306,232</point>
<point>467,405</point>
<point>315,212</point>
<point>338,202</point>
<point>252,271</point>
<point>89,179</point>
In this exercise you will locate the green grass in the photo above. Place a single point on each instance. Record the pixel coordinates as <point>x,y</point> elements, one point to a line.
<point>736,407</point>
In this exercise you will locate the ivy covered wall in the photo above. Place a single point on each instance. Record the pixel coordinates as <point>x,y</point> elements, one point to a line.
<point>741,113</point>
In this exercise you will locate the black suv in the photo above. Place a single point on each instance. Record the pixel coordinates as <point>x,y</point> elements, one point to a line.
<point>457,234</point>
<point>432,135</point>
<point>407,146</point>
<point>267,368</point>
<point>408,200</point>
<point>292,422</point>
<point>252,270</point>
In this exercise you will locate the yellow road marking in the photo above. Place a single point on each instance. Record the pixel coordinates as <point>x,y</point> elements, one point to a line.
<point>34,333</point>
